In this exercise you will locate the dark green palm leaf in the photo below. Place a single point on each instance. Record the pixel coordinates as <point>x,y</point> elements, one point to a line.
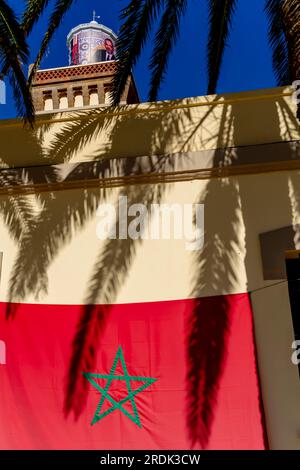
<point>164,41</point>
<point>220,19</point>
<point>11,35</point>
<point>278,42</point>
<point>60,9</point>
<point>14,52</point>
<point>33,11</point>
<point>290,11</point>
<point>21,92</point>
<point>138,18</point>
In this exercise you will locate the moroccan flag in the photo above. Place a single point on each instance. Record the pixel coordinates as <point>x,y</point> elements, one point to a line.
<point>161,375</point>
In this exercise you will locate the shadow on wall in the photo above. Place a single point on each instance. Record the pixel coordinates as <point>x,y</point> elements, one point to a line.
<point>42,235</point>
<point>58,222</point>
<point>227,252</point>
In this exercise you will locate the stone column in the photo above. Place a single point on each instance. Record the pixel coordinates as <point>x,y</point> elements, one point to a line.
<point>55,99</point>
<point>70,96</point>
<point>85,95</point>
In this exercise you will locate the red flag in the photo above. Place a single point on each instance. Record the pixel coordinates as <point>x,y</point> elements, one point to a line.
<point>160,375</point>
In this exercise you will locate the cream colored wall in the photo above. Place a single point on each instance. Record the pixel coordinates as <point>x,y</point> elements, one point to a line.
<point>192,124</point>
<point>237,210</point>
<point>279,376</point>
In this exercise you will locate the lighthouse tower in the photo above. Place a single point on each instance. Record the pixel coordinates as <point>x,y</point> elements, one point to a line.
<point>86,81</point>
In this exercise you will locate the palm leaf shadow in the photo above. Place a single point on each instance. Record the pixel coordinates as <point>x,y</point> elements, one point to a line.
<point>18,210</point>
<point>206,343</point>
<point>111,268</point>
<point>113,264</point>
<point>53,228</point>
<point>208,325</point>
<point>56,223</point>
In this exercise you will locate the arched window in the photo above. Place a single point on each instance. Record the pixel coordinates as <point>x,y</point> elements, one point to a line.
<point>63,99</point>
<point>94,98</point>
<point>48,101</point>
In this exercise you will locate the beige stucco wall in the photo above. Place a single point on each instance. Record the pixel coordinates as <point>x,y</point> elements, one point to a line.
<point>279,376</point>
<point>63,236</point>
<point>190,125</point>
<point>51,253</point>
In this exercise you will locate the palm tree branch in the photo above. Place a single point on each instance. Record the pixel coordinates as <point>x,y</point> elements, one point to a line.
<point>164,41</point>
<point>278,42</point>
<point>14,51</point>
<point>60,9</point>
<point>33,11</point>
<point>220,19</point>
<point>21,92</point>
<point>138,18</point>
<point>12,36</point>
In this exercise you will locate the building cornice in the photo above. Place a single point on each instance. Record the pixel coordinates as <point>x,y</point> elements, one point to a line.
<point>190,166</point>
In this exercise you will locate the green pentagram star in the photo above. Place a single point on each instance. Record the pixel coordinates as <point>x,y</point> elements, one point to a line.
<point>131,393</point>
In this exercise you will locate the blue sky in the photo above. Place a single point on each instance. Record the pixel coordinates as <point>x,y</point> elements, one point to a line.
<point>247,63</point>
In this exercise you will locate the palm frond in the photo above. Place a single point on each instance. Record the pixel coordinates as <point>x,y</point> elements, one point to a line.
<point>33,11</point>
<point>12,38</point>
<point>14,52</point>
<point>278,42</point>
<point>21,91</point>
<point>208,327</point>
<point>138,18</point>
<point>60,9</point>
<point>220,19</point>
<point>164,41</point>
